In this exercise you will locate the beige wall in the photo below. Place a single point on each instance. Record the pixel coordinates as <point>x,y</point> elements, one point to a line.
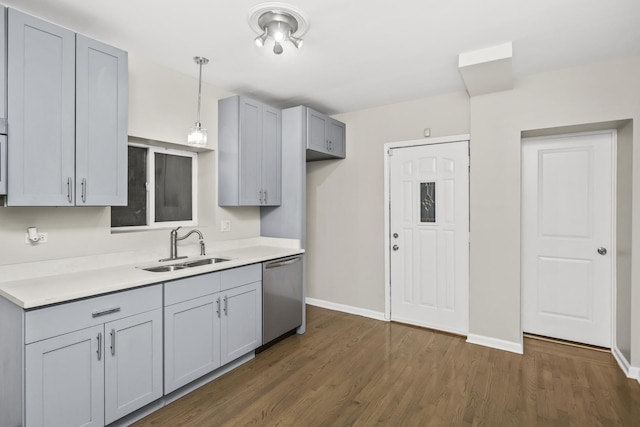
<point>345,228</point>
<point>162,106</point>
<point>344,198</point>
<point>598,93</point>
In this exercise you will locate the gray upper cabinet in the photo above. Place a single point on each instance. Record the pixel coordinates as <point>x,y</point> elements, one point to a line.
<point>249,153</point>
<point>41,110</point>
<point>325,137</point>
<point>67,117</point>
<point>101,124</point>
<point>3,75</point>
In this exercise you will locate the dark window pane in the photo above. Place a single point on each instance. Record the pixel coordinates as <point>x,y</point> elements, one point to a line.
<point>427,202</point>
<point>135,213</point>
<point>173,188</point>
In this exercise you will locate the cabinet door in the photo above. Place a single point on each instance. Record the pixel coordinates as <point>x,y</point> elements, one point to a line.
<point>191,340</point>
<point>101,124</point>
<point>241,328</point>
<point>64,380</point>
<point>317,138</point>
<point>336,138</point>
<point>3,164</point>
<point>3,73</point>
<point>271,156</point>
<point>133,363</point>
<point>41,112</point>
<point>250,154</point>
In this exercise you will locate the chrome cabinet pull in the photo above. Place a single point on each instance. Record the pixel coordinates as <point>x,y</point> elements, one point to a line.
<point>105,312</point>
<point>113,342</point>
<point>330,145</point>
<point>218,309</point>
<point>226,306</point>
<point>84,190</point>
<point>99,350</point>
<point>69,190</point>
<point>265,197</point>
<point>260,196</point>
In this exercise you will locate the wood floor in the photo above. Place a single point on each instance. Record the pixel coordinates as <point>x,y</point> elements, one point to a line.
<point>349,370</point>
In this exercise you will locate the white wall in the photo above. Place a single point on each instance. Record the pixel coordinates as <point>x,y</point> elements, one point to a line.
<point>345,228</point>
<point>162,106</point>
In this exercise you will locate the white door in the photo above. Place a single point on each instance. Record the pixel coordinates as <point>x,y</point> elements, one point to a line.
<point>566,237</point>
<point>429,195</point>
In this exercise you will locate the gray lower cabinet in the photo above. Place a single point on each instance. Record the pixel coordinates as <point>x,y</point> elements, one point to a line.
<point>97,374</point>
<point>249,153</point>
<point>325,137</point>
<point>67,104</point>
<point>210,320</point>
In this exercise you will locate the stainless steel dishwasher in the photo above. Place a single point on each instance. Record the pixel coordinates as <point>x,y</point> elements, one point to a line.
<point>281,297</point>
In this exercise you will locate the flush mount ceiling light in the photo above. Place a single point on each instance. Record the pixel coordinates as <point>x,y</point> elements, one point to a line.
<point>278,22</point>
<point>197,135</point>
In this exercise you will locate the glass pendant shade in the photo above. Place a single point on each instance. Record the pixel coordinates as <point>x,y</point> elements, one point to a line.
<point>197,136</point>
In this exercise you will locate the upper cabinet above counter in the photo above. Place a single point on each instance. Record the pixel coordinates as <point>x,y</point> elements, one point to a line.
<point>67,112</point>
<point>325,137</point>
<point>249,153</point>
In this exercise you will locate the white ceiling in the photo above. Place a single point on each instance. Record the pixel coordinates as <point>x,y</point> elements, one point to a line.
<point>357,53</point>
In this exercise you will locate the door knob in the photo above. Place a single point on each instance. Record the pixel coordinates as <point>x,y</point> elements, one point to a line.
<point>395,247</point>
<point>602,251</point>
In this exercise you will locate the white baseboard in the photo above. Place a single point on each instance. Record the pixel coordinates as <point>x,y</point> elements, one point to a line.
<point>632,372</point>
<point>377,315</point>
<point>513,347</point>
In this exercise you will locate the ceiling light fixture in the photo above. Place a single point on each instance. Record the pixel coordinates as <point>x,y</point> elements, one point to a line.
<point>279,22</point>
<point>197,135</point>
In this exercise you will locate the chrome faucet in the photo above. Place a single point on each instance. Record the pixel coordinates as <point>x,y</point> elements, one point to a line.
<point>173,248</point>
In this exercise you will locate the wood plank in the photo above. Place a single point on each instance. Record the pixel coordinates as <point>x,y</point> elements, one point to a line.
<point>350,370</point>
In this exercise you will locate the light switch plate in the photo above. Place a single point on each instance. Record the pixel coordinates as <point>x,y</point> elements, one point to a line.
<point>225,225</point>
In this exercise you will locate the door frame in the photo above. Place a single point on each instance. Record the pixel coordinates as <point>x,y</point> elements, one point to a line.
<point>614,202</point>
<point>387,203</point>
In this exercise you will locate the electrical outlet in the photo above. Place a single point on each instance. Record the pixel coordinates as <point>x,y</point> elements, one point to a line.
<point>225,225</point>
<point>42,238</point>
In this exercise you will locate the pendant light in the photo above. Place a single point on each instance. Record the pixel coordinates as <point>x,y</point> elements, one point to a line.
<point>197,135</point>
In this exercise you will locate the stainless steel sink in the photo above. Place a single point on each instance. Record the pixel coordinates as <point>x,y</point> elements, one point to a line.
<point>183,265</point>
<point>205,261</point>
<point>163,268</point>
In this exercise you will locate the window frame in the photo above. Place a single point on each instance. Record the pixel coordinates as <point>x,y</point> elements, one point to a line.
<point>150,190</point>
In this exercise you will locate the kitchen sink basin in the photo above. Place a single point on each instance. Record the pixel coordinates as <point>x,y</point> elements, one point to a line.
<point>183,265</point>
<point>162,268</point>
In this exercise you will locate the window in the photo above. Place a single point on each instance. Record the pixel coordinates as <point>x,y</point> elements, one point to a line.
<point>162,188</point>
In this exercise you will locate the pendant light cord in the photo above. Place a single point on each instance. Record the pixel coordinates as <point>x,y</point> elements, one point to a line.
<point>199,90</point>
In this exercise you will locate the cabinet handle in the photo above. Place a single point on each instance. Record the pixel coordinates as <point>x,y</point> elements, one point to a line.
<point>69,190</point>
<point>84,190</point>
<point>218,310</point>
<point>330,145</point>
<point>226,313</point>
<point>265,197</point>
<point>113,342</point>
<point>260,196</point>
<point>105,312</point>
<point>327,145</point>
<point>99,350</point>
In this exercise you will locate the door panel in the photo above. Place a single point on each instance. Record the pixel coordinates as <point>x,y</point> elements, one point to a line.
<point>192,340</point>
<point>64,383</point>
<point>241,330</point>
<point>430,257</point>
<point>133,366</point>
<point>101,124</point>
<point>566,216</point>
<point>250,152</point>
<point>41,109</point>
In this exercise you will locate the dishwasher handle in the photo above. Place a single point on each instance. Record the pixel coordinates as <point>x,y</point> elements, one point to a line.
<point>282,263</point>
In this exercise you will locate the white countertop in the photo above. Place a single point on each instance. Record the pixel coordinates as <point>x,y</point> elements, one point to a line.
<point>34,285</point>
